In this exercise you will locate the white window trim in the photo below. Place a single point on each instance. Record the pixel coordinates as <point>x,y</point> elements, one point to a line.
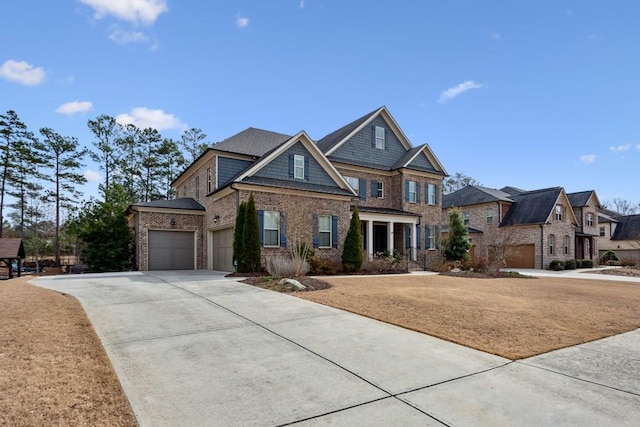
<point>298,170</point>
<point>380,137</point>
<point>559,212</point>
<point>489,210</point>
<point>431,194</point>
<point>466,218</point>
<point>552,243</point>
<point>321,231</point>
<point>415,186</point>
<point>380,190</point>
<point>209,181</point>
<point>431,238</point>
<point>351,180</point>
<point>590,222</point>
<point>277,229</point>
<point>567,245</point>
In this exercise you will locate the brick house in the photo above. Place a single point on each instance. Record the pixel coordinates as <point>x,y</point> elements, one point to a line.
<point>302,188</point>
<point>619,233</point>
<point>542,225</point>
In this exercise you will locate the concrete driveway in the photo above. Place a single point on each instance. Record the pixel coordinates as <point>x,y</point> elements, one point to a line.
<point>197,349</point>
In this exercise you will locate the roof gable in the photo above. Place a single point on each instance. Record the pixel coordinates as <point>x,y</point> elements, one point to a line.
<point>263,169</point>
<point>583,199</point>
<point>252,142</point>
<point>537,207</point>
<point>186,203</point>
<point>628,228</point>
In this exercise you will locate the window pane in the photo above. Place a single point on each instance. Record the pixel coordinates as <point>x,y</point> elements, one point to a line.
<point>324,228</point>
<point>379,137</point>
<point>412,191</point>
<point>380,190</point>
<point>324,223</point>
<point>271,220</point>
<point>354,183</point>
<point>271,237</point>
<point>298,167</point>
<point>324,239</point>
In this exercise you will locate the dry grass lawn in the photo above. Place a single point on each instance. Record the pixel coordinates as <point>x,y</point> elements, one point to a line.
<point>53,368</point>
<point>510,317</point>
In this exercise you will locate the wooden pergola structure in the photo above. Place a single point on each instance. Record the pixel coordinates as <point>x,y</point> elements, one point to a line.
<point>11,250</point>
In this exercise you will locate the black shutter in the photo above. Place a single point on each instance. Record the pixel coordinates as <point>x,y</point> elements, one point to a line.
<point>374,189</point>
<point>306,168</point>
<point>261,226</point>
<point>316,239</point>
<point>283,230</point>
<point>291,165</point>
<point>334,231</point>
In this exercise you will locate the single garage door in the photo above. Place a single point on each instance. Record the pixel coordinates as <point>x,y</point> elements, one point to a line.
<point>171,250</point>
<point>222,250</point>
<point>522,256</point>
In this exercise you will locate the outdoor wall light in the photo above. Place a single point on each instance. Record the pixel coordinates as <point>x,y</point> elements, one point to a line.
<point>172,222</point>
<point>216,218</point>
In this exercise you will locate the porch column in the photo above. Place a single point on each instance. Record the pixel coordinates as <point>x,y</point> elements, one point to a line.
<point>414,242</point>
<point>390,227</point>
<point>370,238</point>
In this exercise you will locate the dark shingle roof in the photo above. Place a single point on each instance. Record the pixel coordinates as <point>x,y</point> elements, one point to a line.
<point>512,190</point>
<point>474,195</point>
<point>252,142</point>
<point>628,228</point>
<point>579,199</point>
<point>183,203</point>
<point>329,141</point>
<point>386,211</point>
<point>402,161</point>
<point>532,207</point>
<point>11,248</point>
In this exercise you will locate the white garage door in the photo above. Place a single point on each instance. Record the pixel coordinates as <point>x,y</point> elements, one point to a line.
<point>171,250</point>
<point>222,250</point>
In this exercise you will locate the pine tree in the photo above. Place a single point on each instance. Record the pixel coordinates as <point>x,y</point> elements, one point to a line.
<point>238,232</point>
<point>457,244</point>
<point>352,250</point>
<point>251,237</point>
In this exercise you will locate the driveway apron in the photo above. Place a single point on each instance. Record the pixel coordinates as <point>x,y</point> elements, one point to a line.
<point>195,348</point>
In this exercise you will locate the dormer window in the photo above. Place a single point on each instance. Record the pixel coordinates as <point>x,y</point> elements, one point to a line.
<point>559,212</point>
<point>590,219</point>
<point>380,137</point>
<point>298,167</point>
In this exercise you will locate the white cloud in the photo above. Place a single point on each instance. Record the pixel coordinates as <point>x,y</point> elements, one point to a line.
<point>452,92</point>
<point>134,11</point>
<point>242,22</point>
<point>74,107</point>
<point>619,148</point>
<point>92,176</point>
<point>143,118</point>
<point>301,4</point>
<point>588,158</point>
<point>121,36</point>
<point>22,72</point>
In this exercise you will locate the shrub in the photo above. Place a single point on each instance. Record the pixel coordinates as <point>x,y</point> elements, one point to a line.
<point>587,263</point>
<point>324,266</point>
<point>556,265</point>
<point>280,266</point>
<point>352,251</point>
<point>578,263</point>
<point>382,265</point>
<point>570,264</point>
<point>628,262</point>
<point>457,244</point>
<point>608,256</point>
<point>481,265</point>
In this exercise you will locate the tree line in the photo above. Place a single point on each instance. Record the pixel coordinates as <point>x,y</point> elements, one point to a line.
<point>41,175</point>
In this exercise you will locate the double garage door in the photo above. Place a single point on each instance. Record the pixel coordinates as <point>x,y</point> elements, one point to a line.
<point>171,250</point>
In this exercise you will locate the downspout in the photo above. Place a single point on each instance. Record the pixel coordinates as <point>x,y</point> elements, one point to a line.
<point>542,246</point>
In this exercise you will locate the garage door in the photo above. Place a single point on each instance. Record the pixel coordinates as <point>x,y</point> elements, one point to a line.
<point>523,256</point>
<point>222,250</point>
<point>171,250</point>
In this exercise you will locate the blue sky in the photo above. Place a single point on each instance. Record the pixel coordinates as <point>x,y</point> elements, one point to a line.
<point>528,94</point>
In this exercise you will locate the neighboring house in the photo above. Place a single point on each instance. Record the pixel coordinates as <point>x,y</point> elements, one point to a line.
<point>619,233</point>
<point>541,225</point>
<point>585,206</point>
<point>305,191</point>
<point>11,253</point>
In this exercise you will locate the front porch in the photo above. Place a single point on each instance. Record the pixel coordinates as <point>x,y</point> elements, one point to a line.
<point>387,230</point>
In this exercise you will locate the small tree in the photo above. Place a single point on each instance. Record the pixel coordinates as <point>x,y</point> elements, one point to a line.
<point>250,257</point>
<point>499,245</point>
<point>238,232</point>
<point>352,250</point>
<point>457,243</point>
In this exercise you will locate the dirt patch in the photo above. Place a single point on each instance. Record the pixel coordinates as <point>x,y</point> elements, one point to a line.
<point>627,272</point>
<point>510,317</point>
<point>54,368</point>
<point>266,282</point>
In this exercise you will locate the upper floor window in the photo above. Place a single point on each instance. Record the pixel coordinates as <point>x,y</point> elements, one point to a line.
<point>324,231</point>
<point>411,197</point>
<point>431,194</point>
<point>354,183</point>
<point>380,137</point>
<point>271,228</point>
<point>567,244</point>
<point>298,166</point>
<point>590,219</point>
<point>379,190</point>
<point>465,217</point>
<point>552,244</point>
<point>559,212</point>
<point>490,216</point>
<point>197,187</point>
<point>602,231</point>
<point>209,180</point>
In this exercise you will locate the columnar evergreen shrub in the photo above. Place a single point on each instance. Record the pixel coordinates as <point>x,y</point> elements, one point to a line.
<point>457,244</point>
<point>250,256</point>
<point>352,250</point>
<point>238,231</point>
